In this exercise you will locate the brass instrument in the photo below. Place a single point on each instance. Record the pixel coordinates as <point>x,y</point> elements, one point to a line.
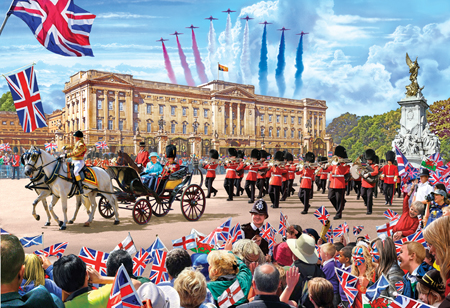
<point>335,160</point>
<point>275,163</point>
<point>359,170</point>
<point>301,165</point>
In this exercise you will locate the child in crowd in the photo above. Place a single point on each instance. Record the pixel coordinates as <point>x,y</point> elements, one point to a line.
<point>408,222</point>
<point>364,269</point>
<point>345,259</point>
<point>431,288</point>
<point>327,252</point>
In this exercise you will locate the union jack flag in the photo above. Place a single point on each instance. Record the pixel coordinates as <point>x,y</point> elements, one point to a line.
<point>32,240</point>
<point>357,230</point>
<point>399,286</point>
<point>329,235</point>
<point>185,242</point>
<point>406,302</point>
<point>348,284</point>
<point>322,214</point>
<point>268,233</point>
<point>411,172</point>
<point>318,252</point>
<point>27,100</point>
<point>391,215</point>
<point>402,161</point>
<point>94,258</point>
<point>367,237</point>
<point>435,177</point>
<point>5,147</point>
<point>54,250</point>
<point>283,225</point>
<point>416,237</point>
<point>220,233</point>
<point>339,231</point>
<point>236,233</point>
<point>123,293</point>
<point>60,26</point>
<point>387,228</point>
<point>140,261</point>
<point>51,146</point>
<point>159,270</point>
<point>101,145</point>
<point>345,227</point>
<point>3,232</point>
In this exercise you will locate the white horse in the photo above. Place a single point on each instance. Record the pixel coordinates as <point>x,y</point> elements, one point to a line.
<point>60,185</point>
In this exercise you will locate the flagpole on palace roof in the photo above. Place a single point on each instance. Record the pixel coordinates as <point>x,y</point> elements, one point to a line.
<point>218,71</point>
<point>6,17</point>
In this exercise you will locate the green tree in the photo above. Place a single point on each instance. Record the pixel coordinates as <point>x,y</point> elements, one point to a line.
<point>6,102</point>
<point>340,127</point>
<point>438,116</point>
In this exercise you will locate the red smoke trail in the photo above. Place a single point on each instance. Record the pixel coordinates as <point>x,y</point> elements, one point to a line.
<point>198,60</point>
<point>187,71</point>
<point>168,65</point>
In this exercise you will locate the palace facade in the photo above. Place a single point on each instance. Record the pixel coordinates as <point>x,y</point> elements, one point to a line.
<point>123,111</point>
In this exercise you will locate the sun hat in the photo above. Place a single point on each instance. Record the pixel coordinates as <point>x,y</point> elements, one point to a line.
<point>160,297</point>
<point>304,248</point>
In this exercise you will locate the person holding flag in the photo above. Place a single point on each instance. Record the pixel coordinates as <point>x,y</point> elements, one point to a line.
<point>77,155</point>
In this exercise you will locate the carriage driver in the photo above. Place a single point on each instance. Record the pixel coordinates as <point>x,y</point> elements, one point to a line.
<point>77,154</point>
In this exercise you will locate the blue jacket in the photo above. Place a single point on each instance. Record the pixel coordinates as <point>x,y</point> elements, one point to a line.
<point>38,297</point>
<point>408,290</point>
<point>153,168</point>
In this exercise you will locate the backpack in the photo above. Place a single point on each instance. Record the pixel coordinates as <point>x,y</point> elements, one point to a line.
<point>304,300</point>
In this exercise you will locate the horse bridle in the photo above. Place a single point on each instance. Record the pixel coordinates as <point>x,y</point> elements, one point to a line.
<point>35,155</point>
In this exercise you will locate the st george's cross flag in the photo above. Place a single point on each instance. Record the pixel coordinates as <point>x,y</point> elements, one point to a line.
<point>60,26</point>
<point>374,291</point>
<point>27,100</point>
<point>357,230</point>
<point>32,240</point>
<point>416,237</point>
<point>128,245</point>
<point>54,250</point>
<point>140,261</point>
<point>159,270</point>
<point>185,242</point>
<point>96,259</point>
<point>51,146</point>
<point>322,214</point>
<point>123,293</point>
<point>283,225</point>
<point>386,228</point>
<point>406,302</point>
<point>348,284</point>
<point>231,296</point>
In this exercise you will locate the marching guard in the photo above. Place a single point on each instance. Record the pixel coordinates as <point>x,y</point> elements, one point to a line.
<point>317,174</point>
<point>231,174</point>
<point>306,182</point>
<point>323,175</point>
<point>290,174</point>
<point>253,168</point>
<point>276,174</point>
<point>77,155</point>
<point>368,187</point>
<point>211,172</point>
<point>390,175</point>
<point>261,176</point>
<point>239,173</point>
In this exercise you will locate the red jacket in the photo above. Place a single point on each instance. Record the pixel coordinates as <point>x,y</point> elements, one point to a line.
<point>337,180</point>
<point>15,160</point>
<point>307,175</point>
<point>406,223</point>
<point>276,176</point>
<point>252,171</point>
<point>262,169</point>
<point>389,172</point>
<point>240,170</point>
<point>285,170</point>
<point>374,173</point>
<point>231,170</point>
<point>323,174</point>
<point>268,173</point>
<point>291,171</point>
<point>170,168</point>
<point>211,170</point>
<point>142,158</point>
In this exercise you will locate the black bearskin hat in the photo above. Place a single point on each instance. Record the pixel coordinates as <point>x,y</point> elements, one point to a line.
<point>390,156</point>
<point>264,154</point>
<point>370,155</point>
<point>340,151</point>
<point>213,154</point>
<point>232,152</point>
<point>171,151</point>
<point>376,160</point>
<point>289,157</point>
<point>279,156</point>
<point>255,154</point>
<point>240,154</point>
<point>310,157</point>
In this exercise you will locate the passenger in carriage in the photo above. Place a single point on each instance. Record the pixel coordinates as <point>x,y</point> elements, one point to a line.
<point>170,167</point>
<point>151,172</point>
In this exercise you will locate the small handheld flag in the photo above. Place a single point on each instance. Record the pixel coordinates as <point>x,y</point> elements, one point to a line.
<point>94,258</point>
<point>123,293</point>
<point>140,261</point>
<point>283,225</point>
<point>54,250</point>
<point>159,270</point>
<point>32,240</point>
<point>391,215</point>
<point>51,146</point>
<point>127,245</point>
<point>231,296</point>
<point>357,230</point>
<point>185,242</point>
<point>348,283</point>
<point>374,291</point>
<point>322,214</point>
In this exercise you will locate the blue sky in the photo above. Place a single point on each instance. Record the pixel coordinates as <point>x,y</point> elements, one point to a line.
<point>354,56</point>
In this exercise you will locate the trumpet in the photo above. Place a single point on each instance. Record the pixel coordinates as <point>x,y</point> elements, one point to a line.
<point>275,163</point>
<point>301,165</point>
<point>335,160</point>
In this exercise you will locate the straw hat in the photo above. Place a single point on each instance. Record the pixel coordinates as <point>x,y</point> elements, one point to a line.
<point>304,248</point>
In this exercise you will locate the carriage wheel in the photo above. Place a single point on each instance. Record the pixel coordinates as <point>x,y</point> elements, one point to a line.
<point>160,209</point>
<point>197,177</point>
<point>142,212</point>
<point>105,208</point>
<point>193,202</point>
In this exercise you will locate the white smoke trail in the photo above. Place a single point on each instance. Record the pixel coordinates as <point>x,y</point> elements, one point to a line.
<point>212,49</point>
<point>245,56</point>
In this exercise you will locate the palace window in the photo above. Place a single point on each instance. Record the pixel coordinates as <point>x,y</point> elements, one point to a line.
<point>161,109</point>
<point>206,129</point>
<point>184,128</point>
<point>11,123</point>
<point>99,124</point>
<point>4,122</point>
<point>110,105</point>
<point>195,112</point>
<point>270,132</point>
<point>120,124</point>
<point>136,110</point>
<point>121,103</point>
<point>285,133</point>
<point>299,134</point>
<point>299,120</point>
<point>110,124</point>
<point>278,132</point>
<point>149,109</point>
<point>184,111</point>
<point>205,113</point>
<point>270,118</point>
<point>149,127</point>
<point>262,117</point>
<point>172,110</point>
<point>135,126</point>
<point>292,120</point>
<point>292,134</point>
<point>278,118</point>
<point>285,119</point>
<point>99,104</point>
<point>172,128</point>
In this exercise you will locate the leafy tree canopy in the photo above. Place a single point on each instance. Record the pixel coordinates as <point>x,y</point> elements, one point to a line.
<point>438,116</point>
<point>6,102</point>
<point>340,127</point>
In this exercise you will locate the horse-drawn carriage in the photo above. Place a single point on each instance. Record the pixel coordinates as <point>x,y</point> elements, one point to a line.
<point>145,202</point>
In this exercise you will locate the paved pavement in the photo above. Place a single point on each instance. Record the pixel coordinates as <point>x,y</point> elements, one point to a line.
<point>16,218</point>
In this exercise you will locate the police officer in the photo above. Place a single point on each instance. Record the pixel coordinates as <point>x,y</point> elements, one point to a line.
<point>77,155</point>
<point>253,229</point>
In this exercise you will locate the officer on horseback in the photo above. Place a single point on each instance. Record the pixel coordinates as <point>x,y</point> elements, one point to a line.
<point>77,154</point>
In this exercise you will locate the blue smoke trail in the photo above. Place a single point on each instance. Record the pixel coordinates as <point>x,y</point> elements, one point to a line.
<point>300,68</point>
<point>263,65</point>
<point>279,72</point>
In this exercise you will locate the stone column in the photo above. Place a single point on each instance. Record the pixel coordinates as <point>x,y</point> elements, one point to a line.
<point>238,119</point>
<point>105,109</point>
<point>117,112</point>
<point>231,119</point>
<point>162,143</point>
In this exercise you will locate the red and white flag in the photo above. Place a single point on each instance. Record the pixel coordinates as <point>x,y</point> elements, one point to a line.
<point>128,245</point>
<point>231,295</point>
<point>186,242</point>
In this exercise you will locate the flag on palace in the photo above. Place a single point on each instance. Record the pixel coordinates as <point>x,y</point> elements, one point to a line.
<point>32,240</point>
<point>223,68</point>
<point>27,100</point>
<point>54,250</point>
<point>123,293</point>
<point>60,26</point>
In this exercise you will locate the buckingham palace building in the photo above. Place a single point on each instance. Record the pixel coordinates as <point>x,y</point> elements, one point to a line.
<point>124,111</point>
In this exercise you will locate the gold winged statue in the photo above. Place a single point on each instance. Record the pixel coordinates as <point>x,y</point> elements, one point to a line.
<point>413,89</point>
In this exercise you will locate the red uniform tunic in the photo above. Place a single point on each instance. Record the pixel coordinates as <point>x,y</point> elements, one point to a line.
<point>262,169</point>
<point>291,171</point>
<point>276,176</point>
<point>211,170</point>
<point>337,180</point>
<point>170,168</point>
<point>252,171</point>
<point>374,173</point>
<point>15,160</point>
<point>389,172</point>
<point>240,170</point>
<point>285,175</point>
<point>323,174</point>
<point>307,175</point>
<point>231,170</point>
<point>142,158</point>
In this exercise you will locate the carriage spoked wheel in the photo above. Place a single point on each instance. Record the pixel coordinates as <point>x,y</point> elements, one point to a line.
<point>197,176</point>
<point>105,208</point>
<point>193,202</point>
<point>142,211</point>
<point>160,209</point>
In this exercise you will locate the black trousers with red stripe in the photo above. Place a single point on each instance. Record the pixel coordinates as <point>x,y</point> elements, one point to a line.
<point>228,184</point>
<point>260,184</point>
<point>250,189</point>
<point>274,194</point>
<point>303,195</point>
<point>388,192</point>
<point>337,198</point>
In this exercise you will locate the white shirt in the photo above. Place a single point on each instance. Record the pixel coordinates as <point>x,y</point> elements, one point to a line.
<point>423,189</point>
<point>327,261</point>
<point>255,227</point>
